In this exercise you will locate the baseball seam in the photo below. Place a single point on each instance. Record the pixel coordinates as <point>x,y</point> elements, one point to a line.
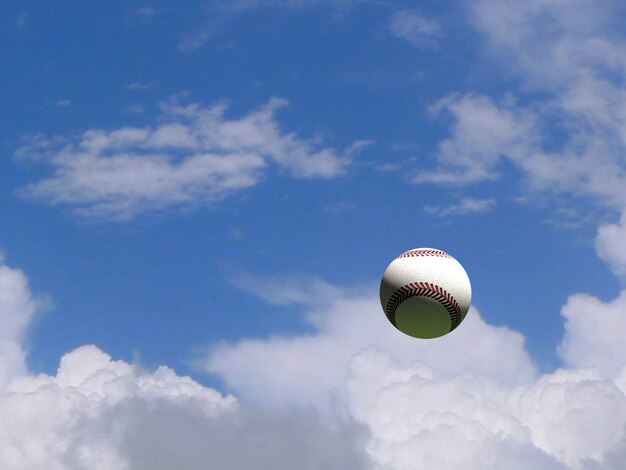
<point>424,289</point>
<point>412,253</point>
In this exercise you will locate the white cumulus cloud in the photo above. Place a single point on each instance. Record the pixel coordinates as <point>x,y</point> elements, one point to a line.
<point>312,369</point>
<point>99,413</point>
<point>611,245</point>
<point>194,155</point>
<point>17,308</point>
<point>595,333</point>
<point>352,393</point>
<point>471,399</point>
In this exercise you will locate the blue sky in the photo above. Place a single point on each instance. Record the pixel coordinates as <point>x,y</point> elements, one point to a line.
<point>203,185</point>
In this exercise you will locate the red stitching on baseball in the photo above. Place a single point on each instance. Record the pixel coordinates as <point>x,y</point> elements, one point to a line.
<point>424,289</point>
<point>419,252</point>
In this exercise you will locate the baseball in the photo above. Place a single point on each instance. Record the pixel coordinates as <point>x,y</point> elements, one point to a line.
<point>425,293</point>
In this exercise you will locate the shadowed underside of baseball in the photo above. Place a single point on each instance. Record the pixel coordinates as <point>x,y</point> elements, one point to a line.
<point>425,293</point>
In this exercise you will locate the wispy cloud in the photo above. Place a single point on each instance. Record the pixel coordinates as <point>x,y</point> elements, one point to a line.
<point>339,207</point>
<point>201,35</point>
<point>482,133</point>
<point>195,40</point>
<point>145,13</point>
<point>293,290</point>
<point>194,155</point>
<point>134,109</point>
<point>589,162</point>
<point>140,86</point>
<point>414,27</point>
<point>240,5</point>
<point>465,206</point>
<point>22,20</point>
<point>573,139</point>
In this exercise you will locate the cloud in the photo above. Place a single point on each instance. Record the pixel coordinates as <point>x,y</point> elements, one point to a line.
<point>611,245</point>
<point>241,5</point>
<point>105,414</point>
<point>22,20</point>
<point>482,133</point>
<point>227,8</point>
<point>553,44</point>
<point>195,40</point>
<point>239,441</point>
<point>590,161</point>
<point>466,206</point>
<point>570,140</point>
<point>144,14</point>
<point>352,393</point>
<point>595,333</point>
<point>343,328</point>
<point>472,398</point>
<point>17,308</point>
<point>418,419</point>
<point>140,86</point>
<point>194,155</point>
<point>134,109</point>
<point>339,207</point>
<point>287,291</point>
<point>99,413</point>
<point>412,26</point>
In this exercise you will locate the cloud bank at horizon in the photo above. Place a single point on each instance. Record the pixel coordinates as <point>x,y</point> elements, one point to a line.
<point>354,393</point>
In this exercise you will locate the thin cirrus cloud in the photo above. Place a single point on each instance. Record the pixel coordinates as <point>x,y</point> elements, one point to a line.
<point>198,38</point>
<point>414,27</point>
<point>194,155</point>
<point>240,5</point>
<point>140,86</point>
<point>285,292</point>
<point>465,206</point>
